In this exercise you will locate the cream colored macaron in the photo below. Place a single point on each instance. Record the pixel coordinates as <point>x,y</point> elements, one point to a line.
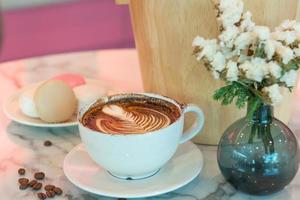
<point>55,101</point>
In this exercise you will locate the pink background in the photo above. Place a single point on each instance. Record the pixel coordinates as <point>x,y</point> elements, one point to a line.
<point>72,26</point>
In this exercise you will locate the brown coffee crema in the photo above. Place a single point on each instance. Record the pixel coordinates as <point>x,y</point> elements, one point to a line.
<point>131,114</point>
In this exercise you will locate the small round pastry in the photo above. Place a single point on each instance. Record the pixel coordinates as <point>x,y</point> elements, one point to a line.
<point>55,101</point>
<point>26,102</point>
<point>88,93</point>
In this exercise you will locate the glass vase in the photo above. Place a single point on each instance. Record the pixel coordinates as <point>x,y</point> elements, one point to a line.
<point>258,155</point>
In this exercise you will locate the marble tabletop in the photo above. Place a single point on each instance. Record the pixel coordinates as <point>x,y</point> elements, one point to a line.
<point>22,146</point>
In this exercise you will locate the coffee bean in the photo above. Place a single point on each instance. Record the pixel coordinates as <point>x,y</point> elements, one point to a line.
<point>23,186</point>
<point>21,171</point>
<point>58,191</point>
<point>39,175</point>
<point>23,180</point>
<point>37,186</point>
<point>50,194</point>
<point>32,183</point>
<point>41,195</point>
<point>47,143</point>
<point>49,187</point>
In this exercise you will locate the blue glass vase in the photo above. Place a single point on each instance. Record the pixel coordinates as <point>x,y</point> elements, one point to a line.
<point>258,155</point>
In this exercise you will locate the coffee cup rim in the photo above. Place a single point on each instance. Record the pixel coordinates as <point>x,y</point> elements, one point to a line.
<point>86,107</point>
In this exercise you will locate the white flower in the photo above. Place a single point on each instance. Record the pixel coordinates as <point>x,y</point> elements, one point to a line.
<point>288,36</point>
<point>228,35</point>
<point>261,64</point>
<point>242,58</point>
<point>198,41</point>
<point>209,48</point>
<point>229,4</point>
<point>278,35</point>
<point>245,66</point>
<point>216,74</point>
<point>255,70</point>
<point>284,52</point>
<point>218,62</point>
<point>232,71</point>
<point>262,32</point>
<point>273,93</point>
<point>274,69</point>
<point>230,17</point>
<point>286,24</point>
<point>290,78</point>
<point>297,52</point>
<point>269,48</point>
<point>297,35</point>
<point>243,40</point>
<point>229,53</point>
<point>297,27</point>
<point>289,26</point>
<point>231,12</point>
<point>247,24</point>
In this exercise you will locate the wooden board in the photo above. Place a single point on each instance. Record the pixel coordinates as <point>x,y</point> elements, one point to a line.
<point>164,31</point>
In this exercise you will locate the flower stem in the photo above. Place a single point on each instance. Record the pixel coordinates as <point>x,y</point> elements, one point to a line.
<point>260,117</point>
<point>253,133</point>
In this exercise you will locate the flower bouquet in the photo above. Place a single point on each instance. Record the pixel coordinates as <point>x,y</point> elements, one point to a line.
<point>253,61</point>
<point>256,64</point>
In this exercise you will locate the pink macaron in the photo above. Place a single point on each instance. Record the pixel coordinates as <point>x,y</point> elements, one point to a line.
<point>71,79</point>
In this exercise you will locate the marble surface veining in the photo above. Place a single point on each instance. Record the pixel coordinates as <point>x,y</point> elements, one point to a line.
<point>22,146</point>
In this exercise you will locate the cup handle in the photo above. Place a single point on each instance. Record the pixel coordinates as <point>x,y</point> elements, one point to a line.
<point>196,127</point>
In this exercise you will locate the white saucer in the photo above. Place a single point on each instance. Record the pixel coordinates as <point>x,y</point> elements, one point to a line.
<point>12,110</point>
<point>83,172</point>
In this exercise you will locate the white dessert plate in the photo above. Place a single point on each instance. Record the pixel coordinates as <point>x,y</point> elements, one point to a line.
<point>12,110</point>
<point>83,172</point>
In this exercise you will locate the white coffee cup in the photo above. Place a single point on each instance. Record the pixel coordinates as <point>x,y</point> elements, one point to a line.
<point>136,156</point>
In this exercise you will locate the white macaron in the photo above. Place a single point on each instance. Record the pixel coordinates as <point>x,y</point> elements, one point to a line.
<point>26,102</point>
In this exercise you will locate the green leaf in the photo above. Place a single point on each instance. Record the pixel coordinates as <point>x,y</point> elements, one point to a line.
<point>293,64</point>
<point>234,91</point>
<point>260,51</point>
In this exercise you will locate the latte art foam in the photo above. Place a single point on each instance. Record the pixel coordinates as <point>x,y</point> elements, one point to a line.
<point>134,116</point>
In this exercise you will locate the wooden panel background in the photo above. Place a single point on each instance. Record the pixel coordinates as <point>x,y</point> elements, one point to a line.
<point>164,31</point>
